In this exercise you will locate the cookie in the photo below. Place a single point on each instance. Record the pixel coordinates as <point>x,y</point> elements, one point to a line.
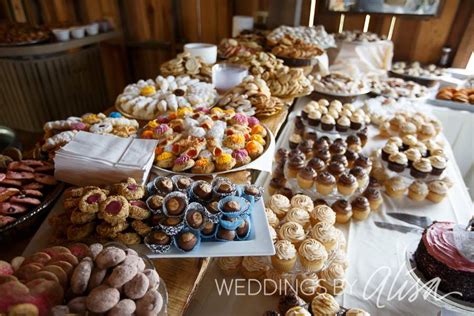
<point>27,270</point>
<point>121,275</point>
<point>137,287</point>
<point>6,268</point>
<point>79,218</point>
<point>67,257</point>
<point>40,257</point>
<point>25,309</point>
<point>17,262</point>
<point>153,278</point>
<point>135,260</point>
<point>110,257</point>
<point>79,250</point>
<point>141,228</point>
<point>110,231</point>
<point>114,209</point>
<point>131,190</point>
<point>45,275</point>
<point>95,249</point>
<point>60,310</point>
<point>123,308</point>
<point>102,298</point>
<point>138,210</point>
<point>90,201</point>
<point>58,272</point>
<point>56,250</point>
<point>66,266</point>
<point>81,275</point>
<point>129,238</point>
<point>51,291</point>
<point>80,232</point>
<point>7,278</point>
<point>71,203</point>
<point>97,277</point>
<point>150,304</point>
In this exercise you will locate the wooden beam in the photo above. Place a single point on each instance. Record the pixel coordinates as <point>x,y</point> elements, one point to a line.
<point>466,46</point>
<point>18,11</point>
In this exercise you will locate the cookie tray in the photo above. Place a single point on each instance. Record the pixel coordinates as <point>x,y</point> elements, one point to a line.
<point>452,105</point>
<point>259,242</point>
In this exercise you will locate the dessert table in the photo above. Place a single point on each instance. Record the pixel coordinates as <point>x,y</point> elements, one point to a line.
<point>378,280</point>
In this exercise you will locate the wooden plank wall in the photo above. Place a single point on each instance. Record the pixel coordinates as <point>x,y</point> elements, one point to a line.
<point>152,35</point>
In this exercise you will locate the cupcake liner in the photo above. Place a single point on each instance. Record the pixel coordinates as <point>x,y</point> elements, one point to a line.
<point>244,205</point>
<point>197,234</point>
<point>154,211</point>
<point>195,206</point>
<point>194,197</point>
<point>212,217</point>
<point>251,198</point>
<point>210,236</point>
<point>158,191</point>
<point>172,195</point>
<point>219,239</point>
<point>175,180</point>
<point>171,230</point>
<point>156,248</point>
<point>150,188</point>
<point>219,180</point>
<point>231,225</point>
<point>245,218</point>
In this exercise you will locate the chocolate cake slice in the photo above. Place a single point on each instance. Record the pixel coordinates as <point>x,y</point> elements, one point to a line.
<point>438,257</point>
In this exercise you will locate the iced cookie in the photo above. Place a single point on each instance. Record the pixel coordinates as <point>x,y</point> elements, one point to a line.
<point>131,190</point>
<point>110,257</point>
<point>81,275</point>
<point>121,275</point>
<point>102,298</point>
<point>137,287</point>
<point>150,304</point>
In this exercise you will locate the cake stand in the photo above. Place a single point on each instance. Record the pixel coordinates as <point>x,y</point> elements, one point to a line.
<point>449,305</point>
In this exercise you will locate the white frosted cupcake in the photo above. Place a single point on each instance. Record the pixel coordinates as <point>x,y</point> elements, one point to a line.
<point>254,267</point>
<point>333,279</point>
<point>308,285</point>
<point>312,255</point>
<point>298,215</point>
<point>278,282</point>
<point>279,204</point>
<point>229,265</point>
<point>323,213</point>
<point>326,234</point>
<point>302,201</point>
<point>285,256</point>
<point>292,232</point>
<point>324,304</point>
<point>272,219</point>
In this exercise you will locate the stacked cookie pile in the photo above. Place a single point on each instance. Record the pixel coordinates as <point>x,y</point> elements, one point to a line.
<point>252,97</point>
<point>456,95</point>
<point>398,88</point>
<point>23,186</point>
<point>291,47</point>
<point>339,83</point>
<point>114,213</point>
<point>185,64</point>
<point>229,47</point>
<point>58,133</point>
<point>315,35</point>
<point>189,212</point>
<point>415,69</point>
<point>282,81</point>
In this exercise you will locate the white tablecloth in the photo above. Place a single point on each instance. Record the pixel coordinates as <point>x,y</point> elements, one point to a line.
<point>376,257</point>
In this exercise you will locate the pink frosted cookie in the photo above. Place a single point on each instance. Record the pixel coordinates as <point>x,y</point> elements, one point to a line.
<point>110,257</point>
<point>102,298</point>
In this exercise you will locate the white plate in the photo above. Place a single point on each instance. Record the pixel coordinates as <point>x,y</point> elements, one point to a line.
<point>452,105</point>
<point>259,243</point>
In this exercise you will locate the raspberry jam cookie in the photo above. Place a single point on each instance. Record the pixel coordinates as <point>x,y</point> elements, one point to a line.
<point>114,209</point>
<point>138,210</point>
<point>90,202</point>
<point>131,190</point>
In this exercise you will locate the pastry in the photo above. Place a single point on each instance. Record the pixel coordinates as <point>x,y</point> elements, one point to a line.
<point>325,183</point>
<point>305,177</point>
<point>292,232</point>
<point>229,266</point>
<point>421,168</point>
<point>374,197</point>
<point>438,164</point>
<point>131,190</point>
<point>226,161</point>
<point>285,256</point>
<point>297,311</point>
<point>332,279</point>
<point>343,210</point>
<point>322,213</point>
<point>418,190</point>
<point>89,202</point>
<point>397,162</point>
<point>312,255</point>
<point>302,201</point>
<point>298,215</point>
<point>324,304</point>
<point>347,184</point>
<point>325,233</point>
<point>360,208</point>
<point>254,267</point>
<point>395,187</point>
<point>437,191</point>
<point>280,205</point>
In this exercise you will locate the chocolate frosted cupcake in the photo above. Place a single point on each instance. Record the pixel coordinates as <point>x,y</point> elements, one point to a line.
<point>317,164</point>
<point>352,140</point>
<point>389,149</point>
<point>294,165</point>
<point>320,202</point>
<point>351,157</point>
<point>323,154</point>
<point>336,169</point>
<point>311,136</point>
<point>306,147</point>
<point>360,174</point>
<point>363,134</point>
<point>337,149</point>
<point>341,159</point>
<point>314,118</point>
<point>347,184</point>
<point>321,144</point>
<point>299,126</point>
<point>305,177</point>
<point>276,184</point>
<point>342,124</point>
<point>294,140</point>
<point>439,164</point>
<point>281,155</point>
<point>374,197</point>
<point>412,156</point>
<point>325,183</point>
<point>397,162</point>
<point>421,168</point>
<point>327,123</point>
<point>360,208</point>
<point>295,153</point>
<point>364,162</point>
<point>356,121</point>
<point>343,211</point>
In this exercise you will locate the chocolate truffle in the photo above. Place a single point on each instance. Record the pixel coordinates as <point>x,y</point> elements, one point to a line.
<point>224,187</point>
<point>231,206</point>
<point>183,183</point>
<point>213,208</point>
<point>225,234</point>
<point>155,202</point>
<point>159,238</point>
<point>243,229</point>
<point>175,205</point>
<point>164,185</point>
<point>187,241</point>
<point>172,221</point>
<point>203,190</point>
<point>194,218</point>
<point>253,191</point>
<point>208,228</point>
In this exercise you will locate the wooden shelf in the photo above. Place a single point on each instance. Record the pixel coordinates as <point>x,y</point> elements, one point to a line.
<point>56,47</point>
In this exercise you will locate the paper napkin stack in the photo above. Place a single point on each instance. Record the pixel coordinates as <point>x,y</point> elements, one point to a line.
<point>93,159</point>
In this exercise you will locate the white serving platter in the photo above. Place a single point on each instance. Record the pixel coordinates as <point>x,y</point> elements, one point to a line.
<point>452,105</point>
<point>259,242</point>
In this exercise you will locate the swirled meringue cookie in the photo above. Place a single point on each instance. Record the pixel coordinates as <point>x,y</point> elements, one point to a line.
<point>298,215</point>
<point>279,204</point>
<point>324,304</point>
<point>292,232</point>
<point>302,201</point>
<point>229,265</point>
<point>323,213</point>
<point>326,234</point>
